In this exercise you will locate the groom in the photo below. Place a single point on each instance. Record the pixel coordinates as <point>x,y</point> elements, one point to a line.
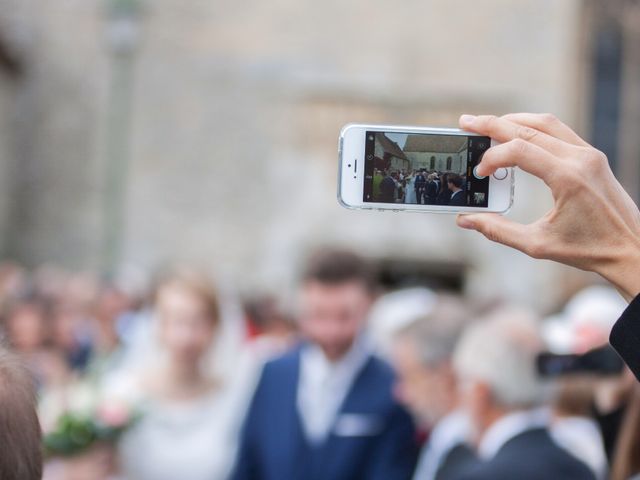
<point>325,410</point>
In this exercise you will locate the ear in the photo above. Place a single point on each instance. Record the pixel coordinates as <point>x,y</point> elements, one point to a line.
<point>480,398</point>
<point>483,394</point>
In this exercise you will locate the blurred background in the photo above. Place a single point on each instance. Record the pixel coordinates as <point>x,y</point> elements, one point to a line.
<point>137,132</point>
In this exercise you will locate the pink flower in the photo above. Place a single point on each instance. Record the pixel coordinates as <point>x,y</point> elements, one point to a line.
<point>114,414</point>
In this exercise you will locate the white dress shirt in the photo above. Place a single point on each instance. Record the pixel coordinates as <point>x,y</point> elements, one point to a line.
<point>511,426</point>
<point>453,430</point>
<point>323,386</point>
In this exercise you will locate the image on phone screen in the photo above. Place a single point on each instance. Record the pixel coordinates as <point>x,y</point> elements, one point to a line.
<point>424,169</point>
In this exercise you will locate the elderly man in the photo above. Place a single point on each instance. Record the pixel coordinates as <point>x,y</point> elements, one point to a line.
<point>421,354</point>
<point>495,364</point>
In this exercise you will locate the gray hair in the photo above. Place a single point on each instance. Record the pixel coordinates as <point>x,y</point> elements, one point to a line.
<point>435,335</point>
<point>501,352</point>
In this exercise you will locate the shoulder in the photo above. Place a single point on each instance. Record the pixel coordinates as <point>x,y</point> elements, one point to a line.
<point>457,460</point>
<point>376,366</point>
<point>377,376</point>
<point>284,365</point>
<point>514,461</point>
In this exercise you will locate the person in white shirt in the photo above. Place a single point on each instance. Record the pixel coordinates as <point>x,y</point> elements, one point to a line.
<point>421,354</point>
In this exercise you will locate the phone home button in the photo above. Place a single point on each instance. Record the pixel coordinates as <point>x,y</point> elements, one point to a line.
<point>500,174</point>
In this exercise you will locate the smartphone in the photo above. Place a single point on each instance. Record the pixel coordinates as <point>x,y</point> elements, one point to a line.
<point>418,169</point>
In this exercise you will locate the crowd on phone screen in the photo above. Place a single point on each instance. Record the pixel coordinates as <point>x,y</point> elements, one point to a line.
<point>420,187</point>
<point>357,384</point>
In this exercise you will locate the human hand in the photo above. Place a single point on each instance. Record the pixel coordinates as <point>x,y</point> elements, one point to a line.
<point>594,225</point>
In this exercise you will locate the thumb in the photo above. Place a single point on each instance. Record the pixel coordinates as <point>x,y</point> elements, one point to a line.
<point>498,229</point>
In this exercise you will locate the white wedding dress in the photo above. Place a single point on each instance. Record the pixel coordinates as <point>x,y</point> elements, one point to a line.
<point>410,194</point>
<point>190,440</point>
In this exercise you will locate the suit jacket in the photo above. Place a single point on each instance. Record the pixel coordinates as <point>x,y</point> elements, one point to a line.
<point>531,455</point>
<point>373,438</point>
<point>387,189</point>
<point>420,182</point>
<point>457,460</point>
<point>443,197</point>
<point>432,190</point>
<point>458,199</point>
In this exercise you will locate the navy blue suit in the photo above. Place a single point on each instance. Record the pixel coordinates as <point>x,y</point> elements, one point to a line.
<point>274,447</point>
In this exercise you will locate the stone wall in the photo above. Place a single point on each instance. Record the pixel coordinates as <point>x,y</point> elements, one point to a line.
<point>236,108</point>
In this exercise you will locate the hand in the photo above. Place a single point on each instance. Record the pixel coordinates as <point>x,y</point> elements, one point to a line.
<point>594,225</point>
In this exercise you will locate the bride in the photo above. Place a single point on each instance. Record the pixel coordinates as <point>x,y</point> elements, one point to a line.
<point>410,191</point>
<point>189,421</point>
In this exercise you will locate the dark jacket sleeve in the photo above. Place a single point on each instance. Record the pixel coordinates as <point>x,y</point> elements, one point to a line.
<point>625,336</point>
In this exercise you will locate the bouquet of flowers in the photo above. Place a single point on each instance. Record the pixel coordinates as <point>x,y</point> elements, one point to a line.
<point>76,432</point>
<point>86,421</point>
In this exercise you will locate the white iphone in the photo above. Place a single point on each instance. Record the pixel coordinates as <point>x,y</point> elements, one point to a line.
<point>418,169</point>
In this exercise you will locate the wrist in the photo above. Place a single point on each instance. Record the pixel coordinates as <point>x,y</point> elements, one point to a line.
<point>624,271</point>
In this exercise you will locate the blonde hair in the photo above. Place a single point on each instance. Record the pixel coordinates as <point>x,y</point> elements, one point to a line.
<point>195,282</point>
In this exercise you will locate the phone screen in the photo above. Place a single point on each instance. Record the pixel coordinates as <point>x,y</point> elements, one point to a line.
<point>424,169</point>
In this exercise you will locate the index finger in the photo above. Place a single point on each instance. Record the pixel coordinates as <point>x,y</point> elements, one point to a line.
<point>549,124</point>
<point>518,153</point>
<point>504,130</point>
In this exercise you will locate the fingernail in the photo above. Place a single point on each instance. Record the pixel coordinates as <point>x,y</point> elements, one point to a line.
<point>467,119</point>
<point>465,222</point>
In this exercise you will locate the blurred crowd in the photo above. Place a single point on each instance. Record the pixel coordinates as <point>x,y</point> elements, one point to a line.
<point>420,187</point>
<point>175,377</point>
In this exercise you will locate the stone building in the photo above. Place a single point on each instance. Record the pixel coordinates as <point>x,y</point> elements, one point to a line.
<point>442,155</point>
<point>206,131</point>
<point>388,155</point>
